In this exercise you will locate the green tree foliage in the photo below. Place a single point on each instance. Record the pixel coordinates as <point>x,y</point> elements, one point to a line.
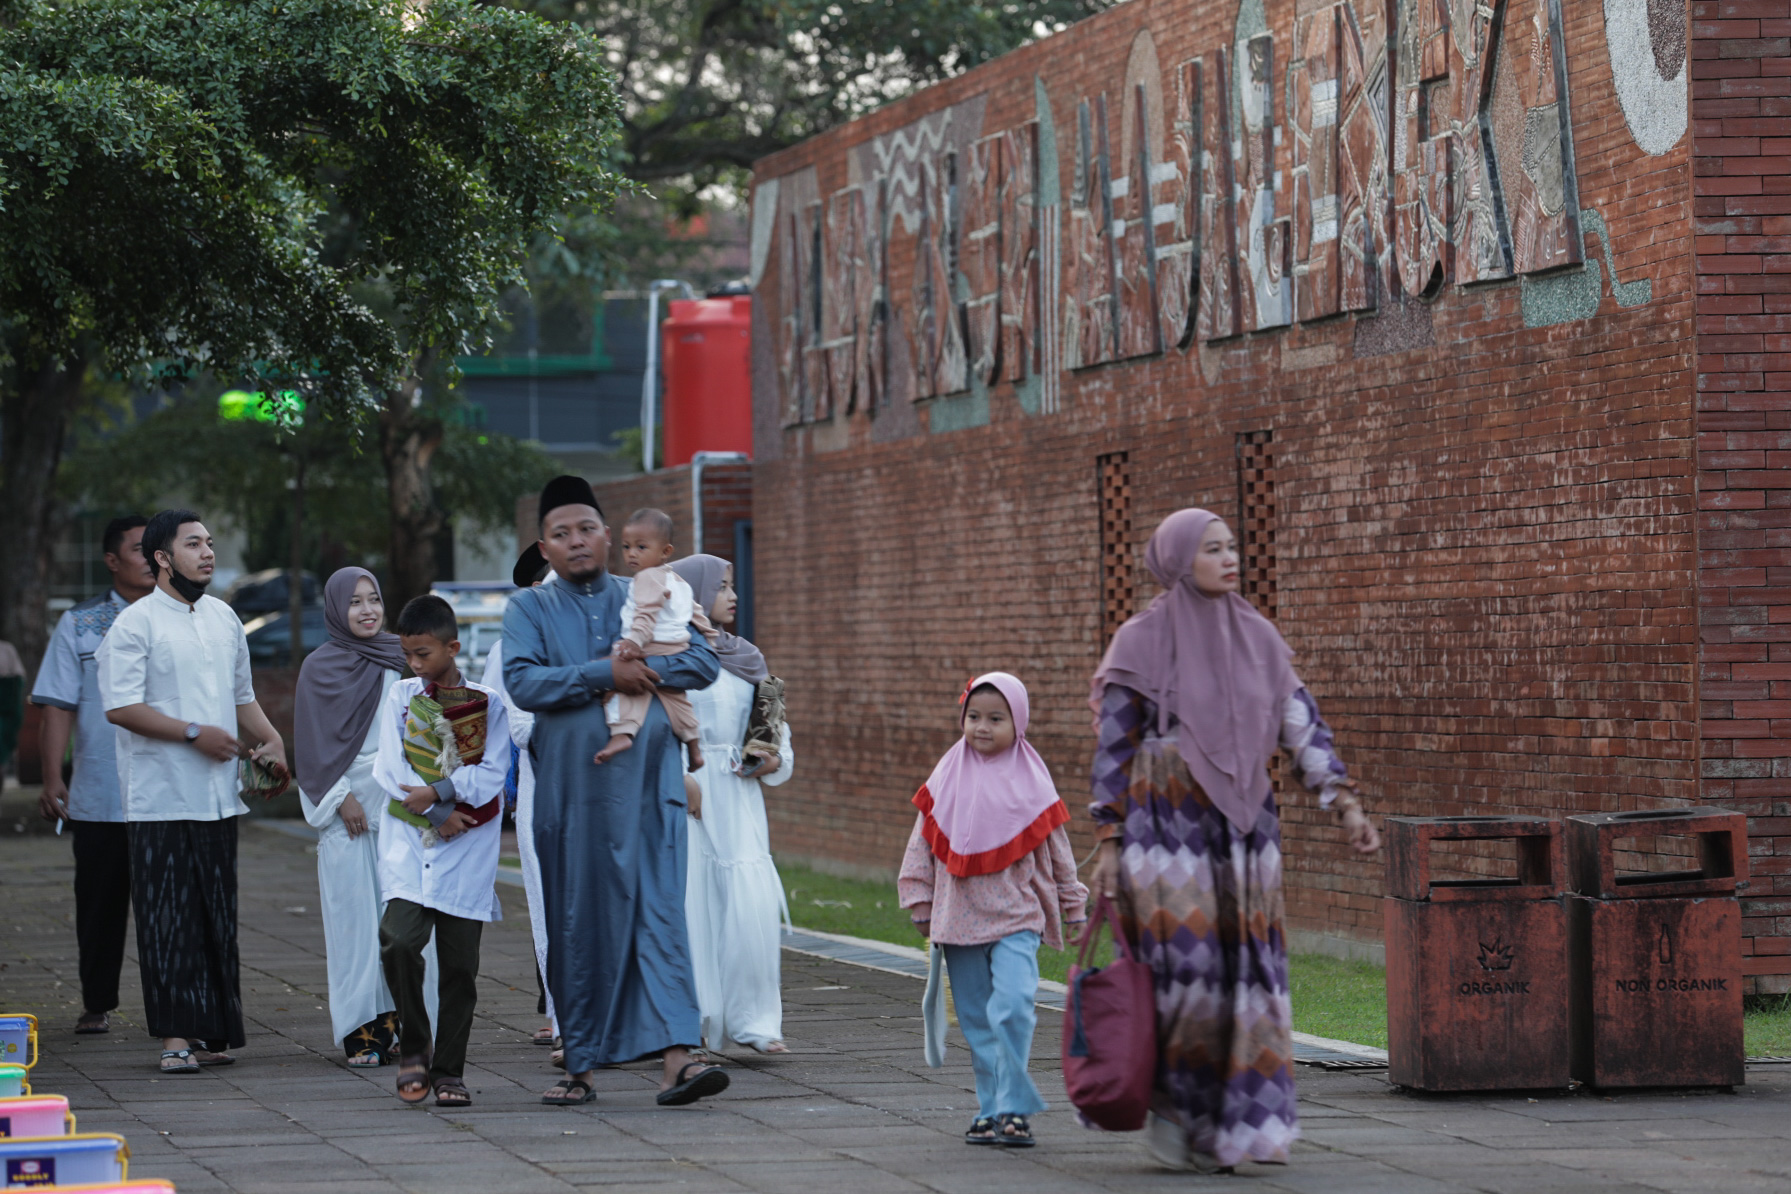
<point>331,194</point>
<point>243,469</point>
<point>711,86</point>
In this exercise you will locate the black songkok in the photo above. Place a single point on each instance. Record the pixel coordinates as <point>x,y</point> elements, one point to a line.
<point>566,491</point>
<point>529,566</point>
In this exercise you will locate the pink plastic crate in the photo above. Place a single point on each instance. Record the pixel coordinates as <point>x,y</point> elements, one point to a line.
<point>36,1115</point>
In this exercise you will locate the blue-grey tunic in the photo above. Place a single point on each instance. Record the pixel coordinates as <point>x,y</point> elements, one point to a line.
<point>611,838</point>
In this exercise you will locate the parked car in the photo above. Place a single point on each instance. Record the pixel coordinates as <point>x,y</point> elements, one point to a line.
<point>266,592</point>
<point>270,639</point>
<point>479,608</point>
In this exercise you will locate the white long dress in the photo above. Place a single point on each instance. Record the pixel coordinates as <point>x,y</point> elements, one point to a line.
<point>733,896</point>
<point>348,892</point>
<point>522,724</point>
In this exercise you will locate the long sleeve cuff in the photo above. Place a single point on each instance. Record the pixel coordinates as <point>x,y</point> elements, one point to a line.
<point>598,676</point>
<point>443,808</point>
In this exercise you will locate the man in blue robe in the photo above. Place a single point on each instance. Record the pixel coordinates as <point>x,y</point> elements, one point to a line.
<point>611,837</point>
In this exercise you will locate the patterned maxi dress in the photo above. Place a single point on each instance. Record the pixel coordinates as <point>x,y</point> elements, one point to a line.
<point>1202,903</point>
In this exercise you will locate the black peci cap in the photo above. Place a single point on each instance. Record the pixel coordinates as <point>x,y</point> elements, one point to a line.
<point>566,490</point>
<point>529,566</point>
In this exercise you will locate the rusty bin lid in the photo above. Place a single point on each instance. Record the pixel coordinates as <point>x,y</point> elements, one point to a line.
<point>1541,870</point>
<point>1721,849</point>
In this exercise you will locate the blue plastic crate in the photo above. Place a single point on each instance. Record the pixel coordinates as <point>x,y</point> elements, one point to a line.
<point>18,1039</point>
<point>89,1158</point>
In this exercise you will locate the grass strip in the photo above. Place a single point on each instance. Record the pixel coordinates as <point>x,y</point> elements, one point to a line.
<point>1343,1000</point>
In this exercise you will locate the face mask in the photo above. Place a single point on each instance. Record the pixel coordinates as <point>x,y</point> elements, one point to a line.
<point>192,590</point>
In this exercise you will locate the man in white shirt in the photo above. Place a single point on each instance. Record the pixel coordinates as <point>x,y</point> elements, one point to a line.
<point>67,690</point>
<point>174,680</point>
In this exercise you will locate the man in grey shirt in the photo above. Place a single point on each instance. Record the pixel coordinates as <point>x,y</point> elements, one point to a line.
<point>67,690</point>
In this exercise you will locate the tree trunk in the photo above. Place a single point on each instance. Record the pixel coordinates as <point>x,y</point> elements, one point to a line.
<point>34,420</point>
<point>408,437</point>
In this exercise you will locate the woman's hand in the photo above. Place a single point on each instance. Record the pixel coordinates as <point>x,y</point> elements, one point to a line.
<point>754,765</point>
<point>1106,872</point>
<point>354,817</point>
<point>1073,930</point>
<point>1362,835</point>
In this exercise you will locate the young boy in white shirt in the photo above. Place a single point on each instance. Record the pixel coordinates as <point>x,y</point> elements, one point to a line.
<point>438,844</point>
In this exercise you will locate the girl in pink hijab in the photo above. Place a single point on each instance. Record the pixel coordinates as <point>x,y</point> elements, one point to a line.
<point>1192,700</point>
<point>988,874</point>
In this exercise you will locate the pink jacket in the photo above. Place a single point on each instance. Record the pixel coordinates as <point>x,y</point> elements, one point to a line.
<point>1040,892</point>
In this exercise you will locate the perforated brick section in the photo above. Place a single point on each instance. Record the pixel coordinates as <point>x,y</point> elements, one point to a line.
<point>1118,571</point>
<point>1256,518</point>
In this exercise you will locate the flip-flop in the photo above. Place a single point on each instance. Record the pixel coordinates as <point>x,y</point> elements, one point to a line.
<point>452,1092</point>
<point>711,1081</point>
<point>185,1056</point>
<point>564,1087</point>
<point>415,1074</point>
<point>209,1057</point>
<point>981,1131</point>
<point>544,1036</point>
<point>366,1059</point>
<point>1013,1131</point>
<point>92,1024</point>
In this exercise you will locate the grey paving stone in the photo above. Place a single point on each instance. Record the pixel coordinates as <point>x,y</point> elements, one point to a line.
<point>852,1111</point>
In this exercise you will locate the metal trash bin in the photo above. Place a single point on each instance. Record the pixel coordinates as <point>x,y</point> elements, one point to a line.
<point>1476,973</point>
<point>1656,958</point>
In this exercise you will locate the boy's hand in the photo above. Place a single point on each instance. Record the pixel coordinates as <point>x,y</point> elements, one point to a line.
<point>626,648</point>
<point>421,799</point>
<point>925,929</point>
<point>458,822</point>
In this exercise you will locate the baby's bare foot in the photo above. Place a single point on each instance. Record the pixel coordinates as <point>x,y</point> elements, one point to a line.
<point>614,747</point>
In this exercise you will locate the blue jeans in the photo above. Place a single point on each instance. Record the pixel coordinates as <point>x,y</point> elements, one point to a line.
<point>994,987</point>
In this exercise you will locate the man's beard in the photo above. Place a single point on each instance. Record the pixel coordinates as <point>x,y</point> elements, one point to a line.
<point>192,590</point>
<point>585,577</point>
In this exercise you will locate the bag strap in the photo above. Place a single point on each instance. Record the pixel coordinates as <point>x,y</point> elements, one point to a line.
<point>1103,913</point>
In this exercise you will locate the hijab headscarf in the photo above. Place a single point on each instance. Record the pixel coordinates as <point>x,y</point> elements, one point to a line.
<point>338,690</point>
<point>704,574</point>
<point>983,813</point>
<point>1211,663</point>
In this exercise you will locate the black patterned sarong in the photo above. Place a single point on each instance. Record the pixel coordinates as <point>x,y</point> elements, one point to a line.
<point>183,891</point>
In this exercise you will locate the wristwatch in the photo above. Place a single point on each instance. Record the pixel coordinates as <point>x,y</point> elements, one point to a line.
<point>192,731</point>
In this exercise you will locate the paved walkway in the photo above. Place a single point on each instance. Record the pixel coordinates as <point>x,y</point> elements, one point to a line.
<point>852,1109</point>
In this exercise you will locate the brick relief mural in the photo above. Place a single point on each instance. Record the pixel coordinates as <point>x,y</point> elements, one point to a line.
<point>1358,154</point>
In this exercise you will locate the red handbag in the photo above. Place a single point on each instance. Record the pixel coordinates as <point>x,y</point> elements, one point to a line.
<point>1110,1031</point>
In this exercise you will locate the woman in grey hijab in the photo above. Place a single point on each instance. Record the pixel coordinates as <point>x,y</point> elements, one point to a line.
<point>341,688</point>
<point>733,897</point>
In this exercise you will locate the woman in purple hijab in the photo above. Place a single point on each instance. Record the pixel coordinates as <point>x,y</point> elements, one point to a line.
<point>1192,700</point>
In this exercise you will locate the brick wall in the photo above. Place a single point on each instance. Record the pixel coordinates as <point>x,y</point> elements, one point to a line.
<point>1741,113</point>
<point>1486,512</point>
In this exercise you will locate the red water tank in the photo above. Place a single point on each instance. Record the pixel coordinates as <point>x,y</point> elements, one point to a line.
<point>707,347</point>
